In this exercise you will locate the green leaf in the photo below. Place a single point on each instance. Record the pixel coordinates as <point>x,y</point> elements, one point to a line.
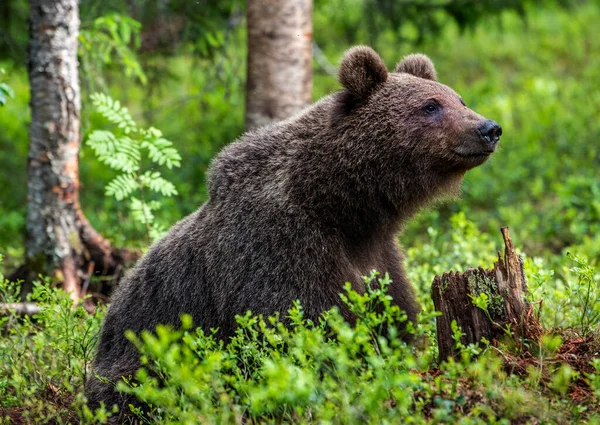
<point>6,91</point>
<point>121,154</point>
<point>114,112</point>
<point>125,31</point>
<point>154,181</point>
<point>103,143</point>
<point>161,150</point>
<point>143,212</point>
<point>122,186</point>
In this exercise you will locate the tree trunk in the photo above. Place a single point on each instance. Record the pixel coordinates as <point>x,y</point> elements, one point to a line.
<point>279,81</point>
<point>504,286</point>
<point>60,241</point>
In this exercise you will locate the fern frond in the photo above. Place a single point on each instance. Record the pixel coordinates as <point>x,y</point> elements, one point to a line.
<point>143,212</point>
<point>160,150</point>
<point>126,156</point>
<point>122,186</point>
<point>103,143</point>
<point>154,181</point>
<point>123,153</point>
<point>114,112</point>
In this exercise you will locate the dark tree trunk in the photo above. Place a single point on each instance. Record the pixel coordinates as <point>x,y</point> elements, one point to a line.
<point>279,81</point>
<point>504,285</point>
<point>60,242</point>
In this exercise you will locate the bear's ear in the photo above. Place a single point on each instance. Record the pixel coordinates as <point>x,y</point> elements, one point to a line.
<point>361,71</point>
<point>418,65</point>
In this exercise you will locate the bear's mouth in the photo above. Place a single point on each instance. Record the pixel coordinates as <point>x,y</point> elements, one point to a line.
<point>473,155</point>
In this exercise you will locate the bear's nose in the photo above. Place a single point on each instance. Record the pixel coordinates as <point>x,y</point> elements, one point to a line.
<point>490,131</point>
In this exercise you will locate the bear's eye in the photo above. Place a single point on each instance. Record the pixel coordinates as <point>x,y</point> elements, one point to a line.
<point>431,107</point>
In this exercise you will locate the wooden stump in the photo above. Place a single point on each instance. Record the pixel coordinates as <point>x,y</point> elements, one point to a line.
<point>504,286</point>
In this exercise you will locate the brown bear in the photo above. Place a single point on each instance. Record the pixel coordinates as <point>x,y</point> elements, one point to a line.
<point>300,207</point>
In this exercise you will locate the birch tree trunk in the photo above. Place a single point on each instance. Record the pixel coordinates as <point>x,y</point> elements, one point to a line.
<point>279,80</point>
<point>60,242</point>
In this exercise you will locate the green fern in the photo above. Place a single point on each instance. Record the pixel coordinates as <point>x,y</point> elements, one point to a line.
<point>114,112</point>
<point>154,181</point>
<point>161,150</point>
<point>122,186</point>
<point>124,150</point>
<point>104,143</point>
<point>143,212</point>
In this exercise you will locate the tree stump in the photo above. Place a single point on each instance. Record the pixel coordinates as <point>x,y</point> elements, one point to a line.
<point>504,287</point>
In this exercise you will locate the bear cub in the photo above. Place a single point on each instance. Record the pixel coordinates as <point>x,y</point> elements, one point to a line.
<point>300,207</point>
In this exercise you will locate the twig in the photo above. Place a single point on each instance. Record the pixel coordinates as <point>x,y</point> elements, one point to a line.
<point>86,282</point>
<point>22,309</point>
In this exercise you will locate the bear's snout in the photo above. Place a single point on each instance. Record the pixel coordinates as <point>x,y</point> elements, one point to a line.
<point>490,131</point>
<point>476,146</point>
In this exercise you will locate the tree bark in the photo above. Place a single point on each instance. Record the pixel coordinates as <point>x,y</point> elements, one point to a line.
<point>505,287</point>
<point>60,242</point>
<point>279,80</point>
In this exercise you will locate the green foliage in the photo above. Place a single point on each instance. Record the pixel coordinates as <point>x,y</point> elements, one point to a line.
<point>124,150</point>
<point>284,369</point>
<point>44,358</point>
<point>409,22</point>
<point>465,352</point>
<point>6,91</point>
<point>290,370</point>
<point>570,296</point>
<point>482,301</point>
<point>110,38</point>
<point>593,378</point>
<point>588,293</point>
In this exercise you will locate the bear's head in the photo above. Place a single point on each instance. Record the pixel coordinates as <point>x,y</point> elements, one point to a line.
<point>410,118</point>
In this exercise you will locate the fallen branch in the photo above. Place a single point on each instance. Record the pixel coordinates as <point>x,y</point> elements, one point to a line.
<point>22,309</point>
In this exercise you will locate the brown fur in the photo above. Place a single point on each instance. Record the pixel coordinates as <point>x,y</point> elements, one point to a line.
<point>361,71</point>
<point>298,208</point>
<point>418,65</point>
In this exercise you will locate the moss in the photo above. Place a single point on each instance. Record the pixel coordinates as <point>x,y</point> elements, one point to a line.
<point>75,242</point>
<point>444,284</point>
<point>480,283</point>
